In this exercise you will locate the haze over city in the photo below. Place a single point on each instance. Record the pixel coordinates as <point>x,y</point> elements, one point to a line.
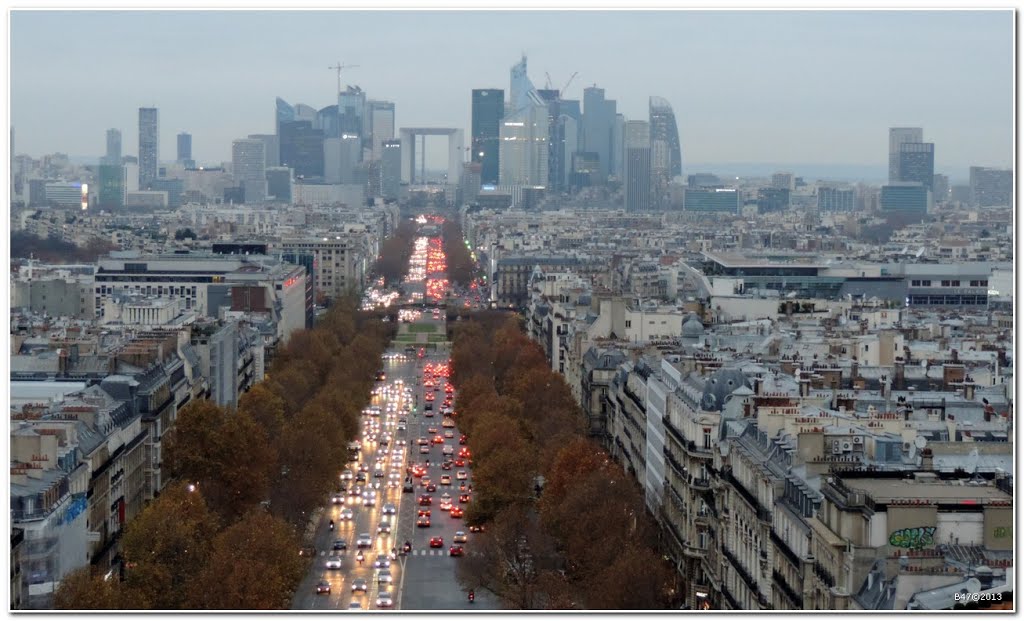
<point>759,87</point>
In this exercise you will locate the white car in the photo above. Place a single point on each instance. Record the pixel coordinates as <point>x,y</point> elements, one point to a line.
<point>346,514</point>
<point>383,561</point>
<point>364,540</point>
<point>389,509</point>
<point>384,577</point>
<point>333,562</point>
<point>384,527</point>
<point>461,475</point>
<point>460,537</point>
<point>384,600</point>
<point>355,605</point>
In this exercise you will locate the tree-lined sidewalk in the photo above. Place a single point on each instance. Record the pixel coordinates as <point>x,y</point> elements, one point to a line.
<point>585,541</point>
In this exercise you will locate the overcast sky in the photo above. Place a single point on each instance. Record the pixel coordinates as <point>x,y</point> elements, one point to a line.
<point>747,86</point>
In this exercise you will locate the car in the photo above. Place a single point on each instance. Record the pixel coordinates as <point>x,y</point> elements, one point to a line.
<point>476,529</point>
<point>401,423</point>
<point>424,450</point>
<point>464,452</point>
<point>384,599</point>
<point>439,439</point>
<point>346,514</point>
<point>431,487</point>
<point>408,488</point>
<point>423,522</point>
<point>333,562</point>
<point>346,475</point>
<point>355,605</point>
<point>338,498</point>
<point>323,587</point>
<point>425,481</point>
<point>446,465</point>
<point>459,462</point>
<point>462,475</point>
<point>437,542</point>
<point>449,434</point>
<point>384,577</point>
<point>456,551</point>
<point>432,430</point>
<point>423,513</point>
<point>364,540</point>
<point>460,537</point>
<point>361,477</point>
<point>462,439</point>
<point>383,561</point>
<point>446,505</point>
<point>384,527</point>
<point>446,479</point>
<point>428,407</point>
<point>463,498</point>
<point>359,585</point>
<point>389,509</point>
<point>369,501</point>
<point>340,544</point>
<point>456,512</point>
<point>422,441</point>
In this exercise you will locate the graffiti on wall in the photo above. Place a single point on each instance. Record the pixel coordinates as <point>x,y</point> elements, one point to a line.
<point>913,538</point>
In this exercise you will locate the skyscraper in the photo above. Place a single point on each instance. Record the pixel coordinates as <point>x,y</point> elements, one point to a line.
<point>488,109</point>
<point>909,199</point>
<point>341,156</point>
<point>917,163</point>
<point>249,168</point>
<point>279,183</point>
<point>391,168</point>
<point>897,136</point>
<point>666,158</point>
<point>521,90</point>
<point>328,122</point>
<point>302,148</point>
<point>598,129</point>
<point>523,158</point>
<point>149,146</point>
<point>271,148</point>
<point>381,121</point>
<point>636,138</point>
<point>113,156</point>
<point>351,105</point>
<point>991,187</point>
<point>185,150</point>
<point>112,185</point>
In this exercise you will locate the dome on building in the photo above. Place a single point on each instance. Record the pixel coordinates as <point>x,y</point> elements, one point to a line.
<point>692,327</point>
<point>720,385</point>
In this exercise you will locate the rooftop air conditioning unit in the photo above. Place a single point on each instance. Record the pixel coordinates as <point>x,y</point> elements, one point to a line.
<point>835,446</point>
<point>847,446</point>
<point>858,440</point>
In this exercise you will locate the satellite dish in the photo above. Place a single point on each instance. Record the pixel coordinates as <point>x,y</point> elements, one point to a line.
<point>920,442</point>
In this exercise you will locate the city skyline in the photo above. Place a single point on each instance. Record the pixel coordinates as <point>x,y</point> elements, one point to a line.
<point>909,75</point>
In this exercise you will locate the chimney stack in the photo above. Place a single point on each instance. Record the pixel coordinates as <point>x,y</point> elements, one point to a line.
<point>926,459</point>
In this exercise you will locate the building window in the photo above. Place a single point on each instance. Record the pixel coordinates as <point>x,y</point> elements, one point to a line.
<point>629,324</point>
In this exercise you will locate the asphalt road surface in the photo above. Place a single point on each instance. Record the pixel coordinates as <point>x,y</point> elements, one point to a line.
<point>425,579</point>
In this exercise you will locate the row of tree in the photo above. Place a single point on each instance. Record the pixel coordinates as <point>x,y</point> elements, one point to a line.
<point>395,252</point>
<point>462,269</point>
<point>583,540</point>
<point>55,250</point>
<point>226,531</point>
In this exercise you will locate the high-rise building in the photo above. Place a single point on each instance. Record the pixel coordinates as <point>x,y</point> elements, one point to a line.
<point>991,187</point>
<point>470,182</point>
<point>391,169</point>
<point>249,168</point>
<point>724,200</point>
<point>279,184</point>
<point>909,198</point>
<point>380,118</point>
<point>940,188</point>
<point>521,91</point>
<point>637,166</point>
<point>523,158</point>
<point>341,156</point>
<point>897,136</point>
<point>351,106</point>
<point>564,137</point>
<point>783,180</point>
<point>112,186</point>
<point>149,146</point>
<point>488,110</point>
<point>185,150</point>
<point>666,157</point>
<point>302,148</point>
<point>917,163</point>
<point>836,199</point>
<point>598,130</point>
<point>328,122</point>
<point>772,199</point>
<point>113,156</point>
<point>271,148</point>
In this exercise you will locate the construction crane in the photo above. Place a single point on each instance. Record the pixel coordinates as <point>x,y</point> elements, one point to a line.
<point>547,83</point>
<point>338,68</point>
<point>561,93</point>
